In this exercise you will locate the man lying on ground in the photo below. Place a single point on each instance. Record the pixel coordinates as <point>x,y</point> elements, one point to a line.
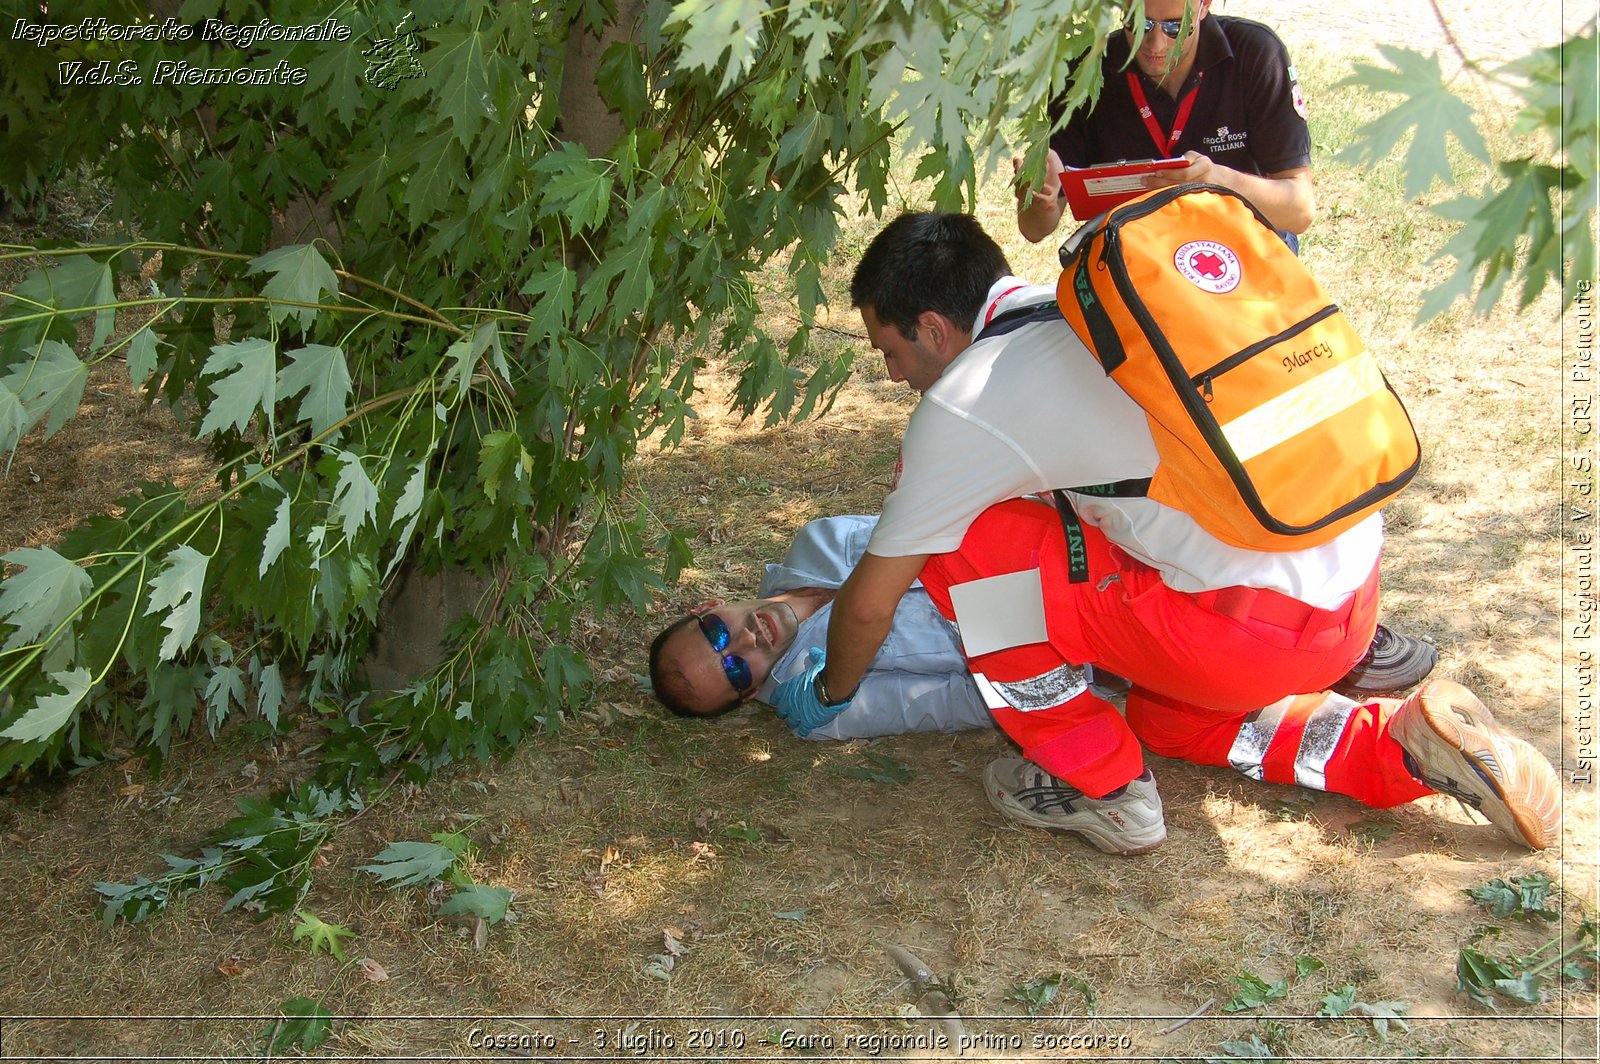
<point>725,653</point>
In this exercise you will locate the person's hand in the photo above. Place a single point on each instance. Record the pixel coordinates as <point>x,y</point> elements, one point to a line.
<point>796,698</point>
<point>1046,194</point>
<point>1200,170</point>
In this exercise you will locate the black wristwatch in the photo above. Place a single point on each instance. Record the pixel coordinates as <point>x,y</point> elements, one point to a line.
<point>828,702</point>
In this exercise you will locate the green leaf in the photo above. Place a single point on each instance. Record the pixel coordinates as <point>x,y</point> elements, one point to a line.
<point>881,769</point>
<point>300,274</point>
<point>321,373</point>
<point>553,287</point>
<point>743,832</point>
<point>320,935</point>
<point>1255,1049</point>
<point>441,170</point>
<point>817,30</point>
<point>621,81</point>
<point>1254,992</point>
<point>1304,966</point>
<point>576,187</point>
<point>142,357</point>
<point>334,81</point>
<point>42,594</point>
<point>52,712</point>
<point>269,694</point>
<point>50,385</point>
<point>277,538</point>
<point>1523,898</point>
<point>458,75</point>
<point>1035,995</point>
<point>467,351</point>
<point>246,384</point>
<point>224,688</point>
<point>14,420</point>
<point>1337,1003</point>
<point>355,497</point>
<point>1429,114</point>
<point>180,588</point>
<point>502,460</point>
<point>77,281</point>
<point>491,903</point>
<point>409,864</point>
<point>306,1025</point>
<point>714,27</point>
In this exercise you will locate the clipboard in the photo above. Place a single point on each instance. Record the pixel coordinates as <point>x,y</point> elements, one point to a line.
<point>1092,190</point>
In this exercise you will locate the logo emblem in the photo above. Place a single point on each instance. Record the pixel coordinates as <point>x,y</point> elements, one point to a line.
<point>1209,266</point>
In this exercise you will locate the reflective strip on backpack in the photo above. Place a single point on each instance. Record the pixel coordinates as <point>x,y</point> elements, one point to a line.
<point>1286,416</point>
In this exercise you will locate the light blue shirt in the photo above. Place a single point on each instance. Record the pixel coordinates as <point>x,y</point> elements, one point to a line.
<point>917,682</point>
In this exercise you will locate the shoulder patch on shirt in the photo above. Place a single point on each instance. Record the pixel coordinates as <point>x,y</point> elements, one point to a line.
<point>1297,93</point>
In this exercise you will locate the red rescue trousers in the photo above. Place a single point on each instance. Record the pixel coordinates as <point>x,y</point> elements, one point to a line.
<point>1211,672</point>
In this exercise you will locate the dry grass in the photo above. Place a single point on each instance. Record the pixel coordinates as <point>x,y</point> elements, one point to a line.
<point>629,825</point>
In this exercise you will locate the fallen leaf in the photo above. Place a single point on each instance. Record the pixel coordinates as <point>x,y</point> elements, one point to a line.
<point>231,967</point>
<point>672,943</point>
<point>702,849</point>
<point>372,970</point>
<point>480,933</point>
<point>132,790</point>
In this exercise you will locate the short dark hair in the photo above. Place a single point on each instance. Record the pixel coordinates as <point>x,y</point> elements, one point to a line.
<point>671,686</point>
<point>923,261</point>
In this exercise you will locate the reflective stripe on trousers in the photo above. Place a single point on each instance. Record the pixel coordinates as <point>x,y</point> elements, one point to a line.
<point>1320,726</point>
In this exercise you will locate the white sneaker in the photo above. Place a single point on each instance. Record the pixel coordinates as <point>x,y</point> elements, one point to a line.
<point>1126,821</point>
<point>1453,745</point>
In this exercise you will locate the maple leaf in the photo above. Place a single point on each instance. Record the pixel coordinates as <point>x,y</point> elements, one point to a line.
<point>457,66</point>
<point>577,187</point>
<point>404,864</point>
<point>52,712</point>
<point>319,371</point>
<point>476,899</point>
<point>46,591</point>
<point>269,693</point>
<point>712,27</point>
<point>355,497</point>
<point>321,935</point>
<point>50,386</point>
<point>277,538</point>
<point>441,169</point>
<point>1429,113</point>
<point>246,384</point>
<point>141,356</point>
<point>299,274</point>
<point>179,588</point>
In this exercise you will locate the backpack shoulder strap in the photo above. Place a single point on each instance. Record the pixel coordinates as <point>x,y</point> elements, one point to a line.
<point>1017,317</point>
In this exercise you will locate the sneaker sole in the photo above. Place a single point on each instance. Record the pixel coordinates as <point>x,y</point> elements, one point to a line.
<point>1011,809</point>
<point>1457,724</point>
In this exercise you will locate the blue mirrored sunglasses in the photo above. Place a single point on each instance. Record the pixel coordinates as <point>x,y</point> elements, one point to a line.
<point>734,667</point>
<point>1170,26</point>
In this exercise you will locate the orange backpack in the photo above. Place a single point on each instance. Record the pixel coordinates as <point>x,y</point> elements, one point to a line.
<point>1275,428</point>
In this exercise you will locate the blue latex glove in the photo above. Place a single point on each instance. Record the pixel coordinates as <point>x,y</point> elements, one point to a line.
<point>796,698</point>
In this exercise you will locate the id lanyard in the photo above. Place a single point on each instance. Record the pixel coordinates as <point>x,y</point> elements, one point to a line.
<point>988,315</point>
<point>1164,143</point>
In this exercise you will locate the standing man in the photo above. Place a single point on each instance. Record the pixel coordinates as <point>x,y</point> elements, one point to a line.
<point>1187,618</point>
<point>1220,93</point>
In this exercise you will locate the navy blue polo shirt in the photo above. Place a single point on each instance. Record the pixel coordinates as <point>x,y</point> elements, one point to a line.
<point>1249,114</point>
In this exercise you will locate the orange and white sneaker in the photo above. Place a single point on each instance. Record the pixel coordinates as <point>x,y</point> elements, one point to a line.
<point>1453,745</point>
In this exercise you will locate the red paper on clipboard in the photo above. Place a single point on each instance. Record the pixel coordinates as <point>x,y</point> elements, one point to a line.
<point>1091,190</point>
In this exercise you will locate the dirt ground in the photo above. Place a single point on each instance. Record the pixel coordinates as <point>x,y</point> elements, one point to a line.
<point>694,891</point>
